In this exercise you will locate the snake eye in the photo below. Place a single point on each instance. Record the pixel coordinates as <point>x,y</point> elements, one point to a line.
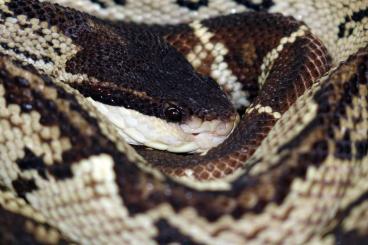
<point>173,113</point>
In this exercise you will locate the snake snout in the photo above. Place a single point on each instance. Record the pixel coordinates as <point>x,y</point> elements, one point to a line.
<point>209,134</point>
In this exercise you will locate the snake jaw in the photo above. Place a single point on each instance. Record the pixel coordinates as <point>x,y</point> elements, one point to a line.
<point>209,134</point>
<point>195,135</point>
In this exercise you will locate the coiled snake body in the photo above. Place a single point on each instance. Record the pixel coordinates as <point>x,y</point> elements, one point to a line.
<point>294,170</point>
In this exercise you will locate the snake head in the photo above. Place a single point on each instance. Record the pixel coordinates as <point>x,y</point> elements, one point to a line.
<point>149,90</point>
<point>171,108</point>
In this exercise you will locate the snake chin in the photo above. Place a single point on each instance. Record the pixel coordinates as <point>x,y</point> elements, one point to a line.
<point>193,136</point>
<point>209,134</point>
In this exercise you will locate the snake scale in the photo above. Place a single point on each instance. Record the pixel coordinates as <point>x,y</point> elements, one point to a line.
<point>293,171</point>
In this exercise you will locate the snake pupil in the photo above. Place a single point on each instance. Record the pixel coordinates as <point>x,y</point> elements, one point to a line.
<point>173,114</point>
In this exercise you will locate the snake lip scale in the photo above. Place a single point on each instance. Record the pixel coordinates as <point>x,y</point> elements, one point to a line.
<point>76,76</point>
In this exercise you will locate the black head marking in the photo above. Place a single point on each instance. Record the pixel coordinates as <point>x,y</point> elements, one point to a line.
<point>263,6</point>
<point>99,3</point>
<point>137,69</point>
<point>120,2</point>
<point>344,29</point>
<point>192,5</point>
<point>23,186</point>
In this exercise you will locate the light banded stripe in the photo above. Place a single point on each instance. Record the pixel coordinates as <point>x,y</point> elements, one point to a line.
<point>219,68</point>
<point>271,57</point>
<point>265,109</point>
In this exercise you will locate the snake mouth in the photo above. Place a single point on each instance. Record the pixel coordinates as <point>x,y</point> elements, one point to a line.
<point>194,135</point>
<point>208,134</point>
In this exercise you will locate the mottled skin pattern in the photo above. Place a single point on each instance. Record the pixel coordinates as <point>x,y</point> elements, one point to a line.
<point>17,229</point>
<point>244,197</point>
<point>67,177</point>
<point>306,55</point>
<point>115,65</point>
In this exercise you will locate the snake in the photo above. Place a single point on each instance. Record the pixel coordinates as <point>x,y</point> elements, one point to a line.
<point>183,122</point>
